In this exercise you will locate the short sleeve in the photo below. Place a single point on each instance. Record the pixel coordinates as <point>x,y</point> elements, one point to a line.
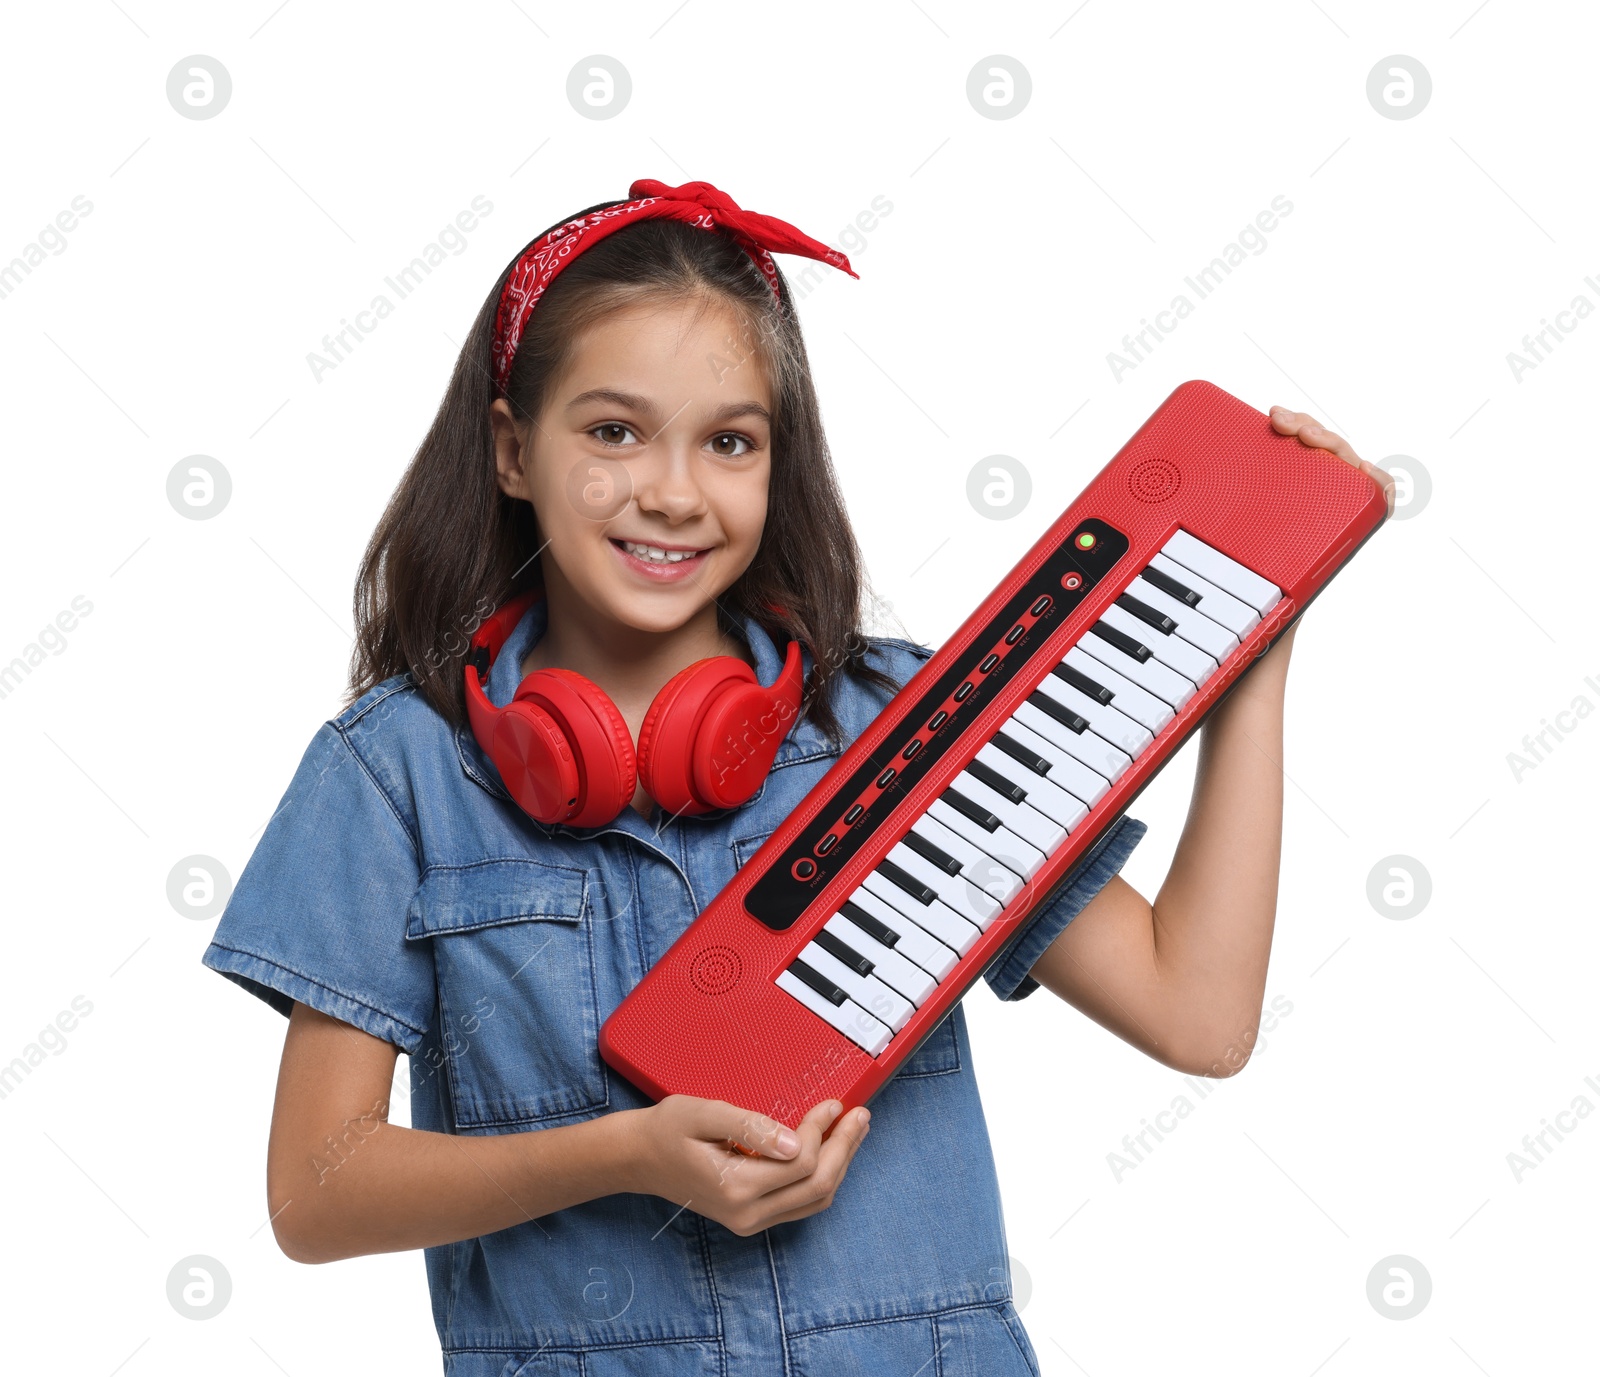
<point>1008,974</point>
<point>319,914</point>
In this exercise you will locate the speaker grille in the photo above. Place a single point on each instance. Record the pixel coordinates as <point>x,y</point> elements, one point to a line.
<point>1155,480</point>
<point>716,970</point>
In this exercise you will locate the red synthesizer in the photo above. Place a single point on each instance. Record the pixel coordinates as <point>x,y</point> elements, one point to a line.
<point>916,860</point>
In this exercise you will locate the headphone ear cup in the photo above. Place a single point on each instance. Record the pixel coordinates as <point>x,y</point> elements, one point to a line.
<point>601,745</point>
<point>669,740</point>
<point>535,762</point>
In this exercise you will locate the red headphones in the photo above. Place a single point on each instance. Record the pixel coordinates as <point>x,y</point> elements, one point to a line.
<point>565,754</point>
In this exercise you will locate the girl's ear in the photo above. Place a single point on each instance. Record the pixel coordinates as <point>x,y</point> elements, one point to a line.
<point>510,454</point>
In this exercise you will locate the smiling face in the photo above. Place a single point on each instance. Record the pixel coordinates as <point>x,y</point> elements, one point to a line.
<point>648,467</point>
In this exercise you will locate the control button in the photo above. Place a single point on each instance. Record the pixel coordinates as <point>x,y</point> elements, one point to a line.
<point>1085,540</point>
<point>989,662</point>
<point>855,812</point>
<point>964,690</point>
<point>886,777</point>
<point>1016,634</point>
<point>938,720</point>
<point>803,869</point>
<point>826,844</point>
<point>1041,607</point>
<point>912,749</point>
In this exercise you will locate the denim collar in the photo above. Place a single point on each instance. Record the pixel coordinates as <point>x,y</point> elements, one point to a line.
<point>805,741</point>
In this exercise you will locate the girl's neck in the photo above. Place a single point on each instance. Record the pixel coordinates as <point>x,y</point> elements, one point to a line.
<point>629,664</point>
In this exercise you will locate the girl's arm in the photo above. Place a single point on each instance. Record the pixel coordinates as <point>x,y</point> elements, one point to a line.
<point>1182,978</point>
<point>342,1181</point>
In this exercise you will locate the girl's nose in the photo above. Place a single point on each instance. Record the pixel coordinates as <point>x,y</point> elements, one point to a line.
<point>666,481</point>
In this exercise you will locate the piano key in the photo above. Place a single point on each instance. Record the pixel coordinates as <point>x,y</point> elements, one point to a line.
<point>1051,800</point>
<point>1004,845</point>
<point>937,919</point>
<point>932,852</point>
<point>1159,680</point>
<point>913,885</point>
<point>958,894</point>
<point>964,805</point>
<point>1189,660</point>
<point>1094,751</point>
<point>1028,823</point>
<point>1150,616</point>
<point>843,951</point>
<point>1193,624</point>
<point>1228,574</point>
<point>978,865</point>
<point>1083,683</point>
<point>1024,755</point>
<point>916,945</point>
<point>1002,784</point>
<point>1223,608</point>
<point>1065,771</point>
<point>1133,683</point>
<point>1117,728</point>
<point>1062,714</point>
<point>901,975</point>
<point>870,993</point>
<point>1130,643</point>
<point>848,1018</point>
<point>1179,592</point>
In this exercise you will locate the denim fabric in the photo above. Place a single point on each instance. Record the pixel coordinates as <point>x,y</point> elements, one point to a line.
<point>398,888</point>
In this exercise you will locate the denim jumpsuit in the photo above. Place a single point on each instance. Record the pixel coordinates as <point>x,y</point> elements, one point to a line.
<point>399,888</point>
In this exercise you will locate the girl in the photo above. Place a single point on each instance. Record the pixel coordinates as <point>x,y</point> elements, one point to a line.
<point>630,454</point>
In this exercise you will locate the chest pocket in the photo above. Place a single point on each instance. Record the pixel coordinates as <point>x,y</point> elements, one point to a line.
<point>939,1053</point>
<point>518,1014</point>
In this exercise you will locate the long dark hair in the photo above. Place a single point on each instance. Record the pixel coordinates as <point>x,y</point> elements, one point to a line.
<point>450,546</point>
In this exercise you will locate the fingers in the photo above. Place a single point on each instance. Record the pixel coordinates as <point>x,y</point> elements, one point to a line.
<point>1306,429</point>
<point>816,1191</point>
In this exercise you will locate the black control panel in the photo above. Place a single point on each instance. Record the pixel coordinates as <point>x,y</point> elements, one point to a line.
<point>934,724</point>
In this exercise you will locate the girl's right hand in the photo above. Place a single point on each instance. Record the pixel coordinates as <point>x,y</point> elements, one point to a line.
<point>683,1151</point>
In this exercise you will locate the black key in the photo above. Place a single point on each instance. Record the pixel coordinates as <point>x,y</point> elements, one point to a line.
<point>856,810</point>
<point>1016,634</point>
<point>988,663</point>
<point>1147,614</point>
<point>932,854</point>
<point>938,720</point>
<point>1060,711</point>
<point>827,843</point>
<point>1017,751</point>
<point>1123,642</point>
<point>1082,682</point>
<point>968,809</point>
<point>1042,606</point>
<point>886,778</point>
<point>912,749</point>
<point>868,924</point>
<point>997,781</point>
<point>908,882</point>
<point>964,690</point>
<point>843,952</point>
<point>818,982</point>
<point>1171,587</point>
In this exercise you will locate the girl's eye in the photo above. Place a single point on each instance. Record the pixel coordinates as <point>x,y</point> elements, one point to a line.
<point>720,443</point>
<point>611,432</point>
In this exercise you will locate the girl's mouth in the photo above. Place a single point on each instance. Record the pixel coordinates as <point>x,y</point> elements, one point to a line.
<point>658,563</point>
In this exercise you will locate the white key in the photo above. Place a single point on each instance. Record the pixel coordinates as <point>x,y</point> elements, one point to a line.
<point>1028,823</point>
<point>1162,681</point>
<point>1222,607</point>
<point>956,891</point>
<point>1121,731</point>
<point>936,919</point>
<point>867,990</point>
<point>1193,624</point>
<point>1094,751</point>
<point>1066,772</point>
<point>906,977</point>
<point>1189,660</point>
<point>978,867</point>
<point>1004,845</point>
<point>1245,584</point>
<point>1125,677</point>
<point>849,1018</point>
<point>1055,803</point>
<point>916,944</point>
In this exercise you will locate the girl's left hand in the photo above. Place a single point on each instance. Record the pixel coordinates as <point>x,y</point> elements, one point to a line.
<point>1298,423</point>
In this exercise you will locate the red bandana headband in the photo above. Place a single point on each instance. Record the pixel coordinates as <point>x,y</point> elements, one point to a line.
<point>695,203</point>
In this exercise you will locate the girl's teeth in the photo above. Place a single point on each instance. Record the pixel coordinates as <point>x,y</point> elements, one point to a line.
<point>655,554</point>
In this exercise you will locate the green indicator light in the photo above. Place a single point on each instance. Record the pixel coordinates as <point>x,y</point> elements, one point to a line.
<point>1086,540</point>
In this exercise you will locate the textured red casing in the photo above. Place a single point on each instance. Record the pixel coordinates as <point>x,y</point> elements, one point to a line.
<point>1204,461</point>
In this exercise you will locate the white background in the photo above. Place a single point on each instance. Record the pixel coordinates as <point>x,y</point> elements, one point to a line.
<point>1375,1118</point>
